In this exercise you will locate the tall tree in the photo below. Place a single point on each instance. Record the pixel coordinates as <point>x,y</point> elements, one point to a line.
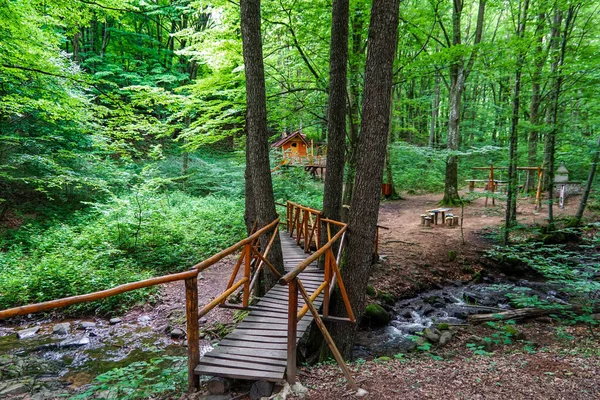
<point>336,122</point>
<point>364,208</point>
<point>459,72</point>
<point>588,185</point>
<point>511,194</point>
<point>257,138</point>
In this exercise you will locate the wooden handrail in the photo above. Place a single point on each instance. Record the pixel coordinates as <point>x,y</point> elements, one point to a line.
<point>312,210</point>
<point>69,301</point>
<point>287,278</point>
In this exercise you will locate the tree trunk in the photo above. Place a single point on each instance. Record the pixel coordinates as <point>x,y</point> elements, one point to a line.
<point>336,123</point>
<point>511,195</point>
<point>588,185</point>
<point>534,109</point>
<point>353,106</point>
<point>257,137</point>
<point>435,110</point>
<point>364,208</point>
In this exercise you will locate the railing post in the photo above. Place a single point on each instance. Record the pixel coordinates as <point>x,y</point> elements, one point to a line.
<point>292,328</point>
<point>191,314</point>
<point>305,229</point>
<point>247,259</point>
<point>318,231</point>
<point>328,276</point>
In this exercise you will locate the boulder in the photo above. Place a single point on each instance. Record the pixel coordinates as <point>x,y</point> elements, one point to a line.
<point>432,335</point>
<point>61,329</point>
<point>13,388</point>
<point>144,319</point>
<point>115,321</point>
<point>445,338</point>
<point>479,342</point>
<point>28,333</point>
<point>376,315</point>
<point>217,385</point>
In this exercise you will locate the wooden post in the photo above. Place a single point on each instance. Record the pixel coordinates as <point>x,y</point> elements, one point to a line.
<point>334,350</point>
<point>247,257</point>
<point>538,193</point>
<point>328,276</point>
<point>318,231</point>
<point>306,216</point>
<point>292,329</point>
<point>493,183</point>
<point>191,315</point>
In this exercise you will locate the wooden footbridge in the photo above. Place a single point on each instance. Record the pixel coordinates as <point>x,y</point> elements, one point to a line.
<point>263,346</point>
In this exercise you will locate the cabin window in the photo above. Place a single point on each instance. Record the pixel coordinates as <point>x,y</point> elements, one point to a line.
<point>294,144</point>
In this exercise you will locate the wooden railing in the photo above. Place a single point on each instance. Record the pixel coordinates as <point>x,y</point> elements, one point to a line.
<point>250,252</point>
<point>331,277</point>
<point>304,223</point>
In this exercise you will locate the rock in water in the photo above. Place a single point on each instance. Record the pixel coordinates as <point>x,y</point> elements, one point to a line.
<point>61,329</point>
<point>261,389</point>
<point>177,333</point>
<point>75,342</point>
<point>27,333</point>
<point>445,338</point>
<point>377,315</point>
<point>86,325</point>
<point>114,321</point>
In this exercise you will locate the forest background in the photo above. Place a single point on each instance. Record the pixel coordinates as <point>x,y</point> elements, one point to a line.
<point>122,122</point>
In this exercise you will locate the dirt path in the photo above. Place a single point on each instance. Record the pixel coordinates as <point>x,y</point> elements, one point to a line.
<point>415,258</point>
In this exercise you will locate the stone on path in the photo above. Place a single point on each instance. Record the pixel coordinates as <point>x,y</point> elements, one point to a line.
<point>61,329</point>
<point>27,333</point>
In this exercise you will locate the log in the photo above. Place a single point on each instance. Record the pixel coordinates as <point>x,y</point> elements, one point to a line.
<point>520,313</point>
<point>218,385</point>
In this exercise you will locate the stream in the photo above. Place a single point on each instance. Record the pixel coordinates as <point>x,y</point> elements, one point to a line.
<point>51,363</point>
<point>450,305</point>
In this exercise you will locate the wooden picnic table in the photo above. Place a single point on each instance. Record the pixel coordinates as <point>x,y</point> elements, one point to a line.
<point>437,211</point>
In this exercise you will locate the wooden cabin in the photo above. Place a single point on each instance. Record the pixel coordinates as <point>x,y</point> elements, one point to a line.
<point>297,150</point>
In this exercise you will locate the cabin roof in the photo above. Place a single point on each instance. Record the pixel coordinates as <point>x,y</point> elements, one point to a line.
<point>289,137</point>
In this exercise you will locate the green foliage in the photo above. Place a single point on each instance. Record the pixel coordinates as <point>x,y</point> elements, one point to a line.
<point>139,380</point>
<point>132,237</point>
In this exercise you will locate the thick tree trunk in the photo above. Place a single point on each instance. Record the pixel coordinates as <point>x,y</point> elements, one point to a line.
<point>336,123</point>
<point>511,194</point>
<point>459,71</point>
<point>588,185</point>
<point>364,208</point>
<point>257,137</point>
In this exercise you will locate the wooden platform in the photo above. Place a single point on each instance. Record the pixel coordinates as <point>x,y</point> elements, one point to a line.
<point>257,348</point>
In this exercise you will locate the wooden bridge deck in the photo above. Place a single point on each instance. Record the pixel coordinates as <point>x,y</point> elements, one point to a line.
<point>257,348</point>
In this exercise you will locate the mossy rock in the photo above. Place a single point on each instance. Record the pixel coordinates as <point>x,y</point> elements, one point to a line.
<point>443,327</point>
<point>376,315</point>
<point>371,292</point>
<point>387,298</point>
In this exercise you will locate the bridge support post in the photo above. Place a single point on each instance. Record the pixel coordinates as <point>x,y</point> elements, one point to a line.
<point>191,315</point>
<point>292,330</point>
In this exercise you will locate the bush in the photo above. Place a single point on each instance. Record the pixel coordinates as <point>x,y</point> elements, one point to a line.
<point>128,239</point>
